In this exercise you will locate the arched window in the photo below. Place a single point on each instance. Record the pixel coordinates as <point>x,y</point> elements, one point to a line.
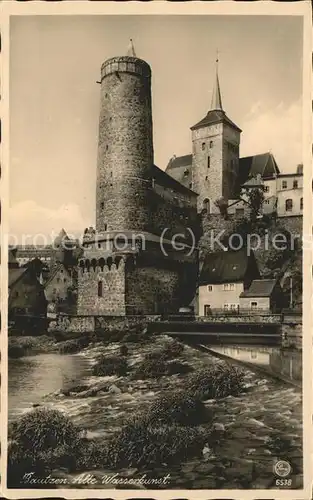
<point>206,205</point>
<point>100,289</point>
<point>301,203</point>
<point>288,205</point>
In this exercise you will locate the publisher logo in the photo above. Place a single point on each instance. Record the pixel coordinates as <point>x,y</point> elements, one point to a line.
<point>282,468</point>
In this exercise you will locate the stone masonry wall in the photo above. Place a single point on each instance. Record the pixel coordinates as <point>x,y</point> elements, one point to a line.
<point>112,301</point>
<point>125,147</point>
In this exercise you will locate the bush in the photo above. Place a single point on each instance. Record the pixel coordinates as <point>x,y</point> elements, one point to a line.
<point>141,445</point>
<point>178,408</point>
<point>217,381</point>
<point>167,352</point>
<point>74,345</point>
<point>110,365</point>
<point>173,350</point>
<point>43,429</point>
<point>154,366</point>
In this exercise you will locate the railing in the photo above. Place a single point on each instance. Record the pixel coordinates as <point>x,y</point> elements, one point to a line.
<point>240,312</point>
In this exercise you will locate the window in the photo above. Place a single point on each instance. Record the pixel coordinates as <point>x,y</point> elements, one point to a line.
<point>100,289</point>
<point>301,203</point>
<point>295,184</point>
<point>102,205</point>
<point>266,189</point>
<point>186,172</point>
<point>284,185</point>
<point>211,144</point>
<point>228,287</point>
<point>207,310</point>
<point>209,159</point>
<point>234,307</point>
<point>226,307</point>
<point>253,355</point>
<point>190,185</point>
<point>58,280</point>
<point>203,146</point>
<point>105,227</point>
<point>240,212</point>
<point>210,288</point>
<point>288,205</point>
<point>253,305</point>
<point>206,205</point>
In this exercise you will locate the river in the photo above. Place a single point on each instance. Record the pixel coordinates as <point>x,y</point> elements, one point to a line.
<point>34,377</point>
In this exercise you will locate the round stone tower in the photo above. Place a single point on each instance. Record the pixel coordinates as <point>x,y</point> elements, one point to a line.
<point>125,148</point>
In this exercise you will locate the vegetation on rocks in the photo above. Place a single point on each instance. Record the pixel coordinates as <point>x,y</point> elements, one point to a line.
<point>138,444</point>
<point>26,345</point>
<point>73,346</point>
<point>158,367</point>
<point>178,408</point>
<point>216,381</point>
<point>110,365</point>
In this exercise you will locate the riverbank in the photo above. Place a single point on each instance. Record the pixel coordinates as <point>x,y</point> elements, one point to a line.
<point>255,428</point>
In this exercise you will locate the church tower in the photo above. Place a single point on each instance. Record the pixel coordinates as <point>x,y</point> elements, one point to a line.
<point>215,154</point>
<point>125,146</point>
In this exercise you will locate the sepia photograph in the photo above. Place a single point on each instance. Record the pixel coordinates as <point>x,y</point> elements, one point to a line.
<point>158,320</point>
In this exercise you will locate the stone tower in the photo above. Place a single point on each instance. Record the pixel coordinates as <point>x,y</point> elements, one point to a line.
<point>125,148</point>
<point>215,154</point>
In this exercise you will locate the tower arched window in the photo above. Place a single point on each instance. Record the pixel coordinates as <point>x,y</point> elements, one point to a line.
<point>288,205</point>
<point>100,289</point>
<point>206,205</point>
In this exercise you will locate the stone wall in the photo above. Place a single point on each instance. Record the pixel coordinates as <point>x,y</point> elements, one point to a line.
<point>114,323</point>
<point>73,324</point>
<point>125,147</point>
<point>293,224</point>
<point>112,301</point>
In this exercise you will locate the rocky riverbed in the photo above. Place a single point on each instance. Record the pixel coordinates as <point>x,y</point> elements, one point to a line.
<point>258,428</point>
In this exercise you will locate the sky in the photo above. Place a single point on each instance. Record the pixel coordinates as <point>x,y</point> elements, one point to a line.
<point>54,99</point>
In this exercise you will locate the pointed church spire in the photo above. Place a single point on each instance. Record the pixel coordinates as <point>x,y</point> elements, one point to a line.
<point>216,103</point>
<point>131,51</point>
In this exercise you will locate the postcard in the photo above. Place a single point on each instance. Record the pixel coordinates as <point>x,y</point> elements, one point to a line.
<point>156,240</point>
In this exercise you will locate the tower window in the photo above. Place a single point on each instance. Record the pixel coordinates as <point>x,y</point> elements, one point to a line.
<point>102,205</point>
<point>203,145</point>
<point>288,205</point>
<point>211,144</point>
<point>100,289</point>
<point>209,160</point>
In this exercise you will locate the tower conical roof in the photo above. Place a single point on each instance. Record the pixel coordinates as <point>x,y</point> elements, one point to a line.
<point>216,103</point>
<point>62,236</point>
<point>131,50</point>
